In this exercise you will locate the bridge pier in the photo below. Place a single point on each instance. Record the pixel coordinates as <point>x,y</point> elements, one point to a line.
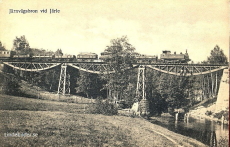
<point>222,102</point>
<point>140,92</point>
<point>64,81</point>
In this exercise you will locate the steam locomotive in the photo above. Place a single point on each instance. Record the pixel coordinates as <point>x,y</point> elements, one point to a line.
<point>165,57</point>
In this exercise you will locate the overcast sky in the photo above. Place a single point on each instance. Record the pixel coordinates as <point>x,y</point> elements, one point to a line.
<point>150,25</point>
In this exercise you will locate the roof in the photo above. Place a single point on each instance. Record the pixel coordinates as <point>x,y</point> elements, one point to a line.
<point>86,53</point>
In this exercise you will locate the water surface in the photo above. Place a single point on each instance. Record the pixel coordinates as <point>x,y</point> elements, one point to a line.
<point>203,130</point>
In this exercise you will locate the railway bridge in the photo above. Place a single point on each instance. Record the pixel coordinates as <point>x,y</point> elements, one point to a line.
<point>104,68</point>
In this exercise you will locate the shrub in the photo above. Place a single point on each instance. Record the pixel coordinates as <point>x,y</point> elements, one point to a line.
<point>10,87</point>
<point>224,113</point>
<point>208,113</point>
<point>104,107</point>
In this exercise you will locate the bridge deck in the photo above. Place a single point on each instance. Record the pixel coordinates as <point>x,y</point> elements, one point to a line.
<point>105,68</point>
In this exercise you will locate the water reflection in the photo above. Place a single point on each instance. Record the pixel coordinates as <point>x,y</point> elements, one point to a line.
<point>206,131</point>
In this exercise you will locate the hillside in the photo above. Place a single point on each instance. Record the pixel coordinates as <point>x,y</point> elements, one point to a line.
<point>69,124</point>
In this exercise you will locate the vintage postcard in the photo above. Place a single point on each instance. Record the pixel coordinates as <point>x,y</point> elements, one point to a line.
<point>123,73</point>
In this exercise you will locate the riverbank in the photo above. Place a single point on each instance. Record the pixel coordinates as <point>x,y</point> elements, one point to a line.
<point>202,112</point>
<point>68,124</point>
<point>202,130</point>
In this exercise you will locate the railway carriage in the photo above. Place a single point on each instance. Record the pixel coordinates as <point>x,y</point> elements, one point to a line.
<point>64,57</point>
<point>148,59</point>
<point>87,57</point>
<point>105,55</point>
<point>25,57</point>
<point>5,54</point>
<point>42,58</point>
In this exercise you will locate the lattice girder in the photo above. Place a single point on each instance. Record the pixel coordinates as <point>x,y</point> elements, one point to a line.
<point>187,69</point>
<point>103,68</point>
<point>31,66</point>
<point>97,68</point>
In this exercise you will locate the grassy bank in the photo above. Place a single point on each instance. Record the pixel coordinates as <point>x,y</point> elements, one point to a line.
<point>20,103</point>
<point>65,124</point>
<point>39,93</point>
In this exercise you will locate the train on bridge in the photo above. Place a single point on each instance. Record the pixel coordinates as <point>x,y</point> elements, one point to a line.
<point>165,57</point>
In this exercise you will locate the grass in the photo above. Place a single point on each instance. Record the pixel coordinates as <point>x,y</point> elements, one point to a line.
<point>61,129</point>
<point>38,93</point>
<point>67,124</point>
<point>20,103</point>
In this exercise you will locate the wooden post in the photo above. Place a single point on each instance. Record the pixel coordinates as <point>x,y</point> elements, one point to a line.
<point>213,141</point>
<point>187,117</point>
<point>222,119</point>
<point>176,116</point>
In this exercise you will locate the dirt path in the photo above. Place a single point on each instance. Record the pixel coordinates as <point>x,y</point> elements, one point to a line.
<point>148,134</point>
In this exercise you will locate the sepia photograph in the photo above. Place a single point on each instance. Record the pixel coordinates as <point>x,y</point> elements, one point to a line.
<point>114,73</point>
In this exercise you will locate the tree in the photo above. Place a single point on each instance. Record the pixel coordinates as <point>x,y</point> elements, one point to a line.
<point>217,56</point>
<point>88,84</point>
<point>20,43</point>
<point>2,48</point>
<point>9,85</point>
<point>157,103</point>
<point>171,91</point>
<point>120,58</point>
<point>120,51</point>
<point>59,52</point>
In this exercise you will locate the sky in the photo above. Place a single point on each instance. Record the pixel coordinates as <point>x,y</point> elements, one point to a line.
<point>150,25</point>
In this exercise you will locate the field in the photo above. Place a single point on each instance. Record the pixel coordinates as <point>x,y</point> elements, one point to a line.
<point>70,124</point>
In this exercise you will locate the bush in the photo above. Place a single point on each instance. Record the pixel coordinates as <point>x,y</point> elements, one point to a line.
<point>122,104</point>
<point>10,87</point>
<point>224,113</point>
<point>104,107</point>
<point>208,113</point>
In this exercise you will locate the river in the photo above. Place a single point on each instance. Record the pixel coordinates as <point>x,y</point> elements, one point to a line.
<point>203,130</point>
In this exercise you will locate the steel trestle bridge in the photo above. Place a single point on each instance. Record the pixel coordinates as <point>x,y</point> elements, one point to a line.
<point>105,68</point>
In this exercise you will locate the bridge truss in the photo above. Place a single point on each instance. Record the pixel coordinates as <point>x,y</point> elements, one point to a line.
<point>102,68</point>
<point>31,66</point>
<point>97,68</point>
<point>186,69</point>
